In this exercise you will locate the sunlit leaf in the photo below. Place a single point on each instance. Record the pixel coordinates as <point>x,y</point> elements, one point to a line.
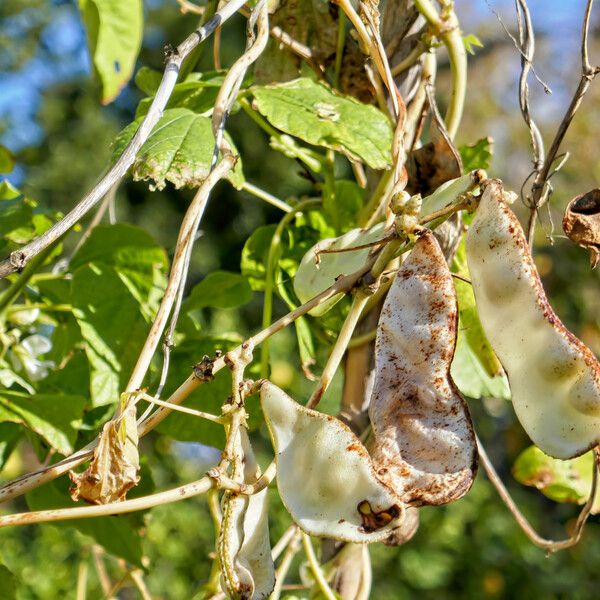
<point>52,416</point>
<point>313,113</point>
<point>198,93</point>
<point>477,155</point>
<point>113,326</point>
<point>560,480</point>
<point>470,376</point>
<point>179,150</point>
<point>114,30</point>
<point>469,322</point>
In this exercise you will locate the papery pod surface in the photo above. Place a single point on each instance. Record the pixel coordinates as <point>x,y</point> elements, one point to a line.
<point>247,568</point>
<point>325,476</point>
<point>424,442</point>
<point>317,271</point>
<point>554,377</point>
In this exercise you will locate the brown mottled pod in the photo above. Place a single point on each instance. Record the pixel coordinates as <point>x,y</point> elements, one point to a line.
<point>554,377</point>
<point>424,441</point>
<point>581,223</point>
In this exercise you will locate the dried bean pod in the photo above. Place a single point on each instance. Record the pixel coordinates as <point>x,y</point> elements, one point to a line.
<point>424,441</point>
<point>325,476</point>
<point>554,377</point>
<point>244,549</point>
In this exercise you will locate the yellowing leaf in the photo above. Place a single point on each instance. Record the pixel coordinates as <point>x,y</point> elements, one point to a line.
<point>114,31</point>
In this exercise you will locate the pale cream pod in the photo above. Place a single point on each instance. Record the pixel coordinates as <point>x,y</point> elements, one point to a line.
<point>554,377</point>
<point>247,568</point>
<point>424,444</point>
<point>325,476</point>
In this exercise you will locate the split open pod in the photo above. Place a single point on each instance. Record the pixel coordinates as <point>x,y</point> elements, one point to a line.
<point>325,476</point>
<point>554,377</point>
<point>424,442</point>
<point>423,451</point>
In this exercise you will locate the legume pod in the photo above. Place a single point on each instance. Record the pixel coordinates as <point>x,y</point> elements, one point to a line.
<point>554,377</point>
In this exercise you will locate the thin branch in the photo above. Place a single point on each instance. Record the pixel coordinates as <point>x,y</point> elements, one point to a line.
<point>286,562</point>
<point>315,567</point>
<point>546,544</point>
<point>19,258</point>
<point>185,238</point>
<point>266,196</point>
<point>335,357</point>
<point>271,272</point>
<point>540,188</point>
<point>283,541</point>
<point>182,492</point>
<point>137,576</point>
<point>103,578</point>
<point>448,31</point>
<point>82,577</point>
<point>182,409</point>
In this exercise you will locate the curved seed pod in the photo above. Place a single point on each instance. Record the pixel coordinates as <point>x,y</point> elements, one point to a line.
<point>424,441</point>
<point>316,272</point>
<point>554,377</point>
<point>248,572</point>
<point>581,223</point>
<point>325,476</point>
<point>407,529</point>
<point>352,575</point>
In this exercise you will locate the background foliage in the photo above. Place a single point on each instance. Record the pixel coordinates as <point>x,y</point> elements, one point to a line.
<point>52,121</point>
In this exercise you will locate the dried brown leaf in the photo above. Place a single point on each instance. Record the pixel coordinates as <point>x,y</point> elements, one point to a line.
<point>114,468</point>
<point>424,441</point>
<point>581,223</point>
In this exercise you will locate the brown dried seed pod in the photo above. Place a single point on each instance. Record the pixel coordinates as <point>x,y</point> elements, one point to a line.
<point>554,377</point>
<point>424,440</point>
<point>581,223</point>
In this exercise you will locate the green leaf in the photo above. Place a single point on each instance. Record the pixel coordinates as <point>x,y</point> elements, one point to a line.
<point>114,31</point>
<point>10,434</point>
<point>220,289</point>
<point>471,41</point>
<point>20,221</point>
<point>477,155</point>
<point>119,535</point>
<point>313,113</point>
<point>7,160</point>
<point>179,150</point>
<point>112,324</point>
<point>559,480</point>
<point>469,322</point>
<point>471,378</point>
<point>8,583</point>
<point>254,256</point>
<point>343,207</point>
<point>136,256</point>
<point>53,416</point>
<point>198,94</point>
<point>148,80</point>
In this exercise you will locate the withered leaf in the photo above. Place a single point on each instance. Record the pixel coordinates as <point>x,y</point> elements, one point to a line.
<point>114,468</point>
<point>424,441</point>
<point>581,223</point>
<point>433,164</point>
